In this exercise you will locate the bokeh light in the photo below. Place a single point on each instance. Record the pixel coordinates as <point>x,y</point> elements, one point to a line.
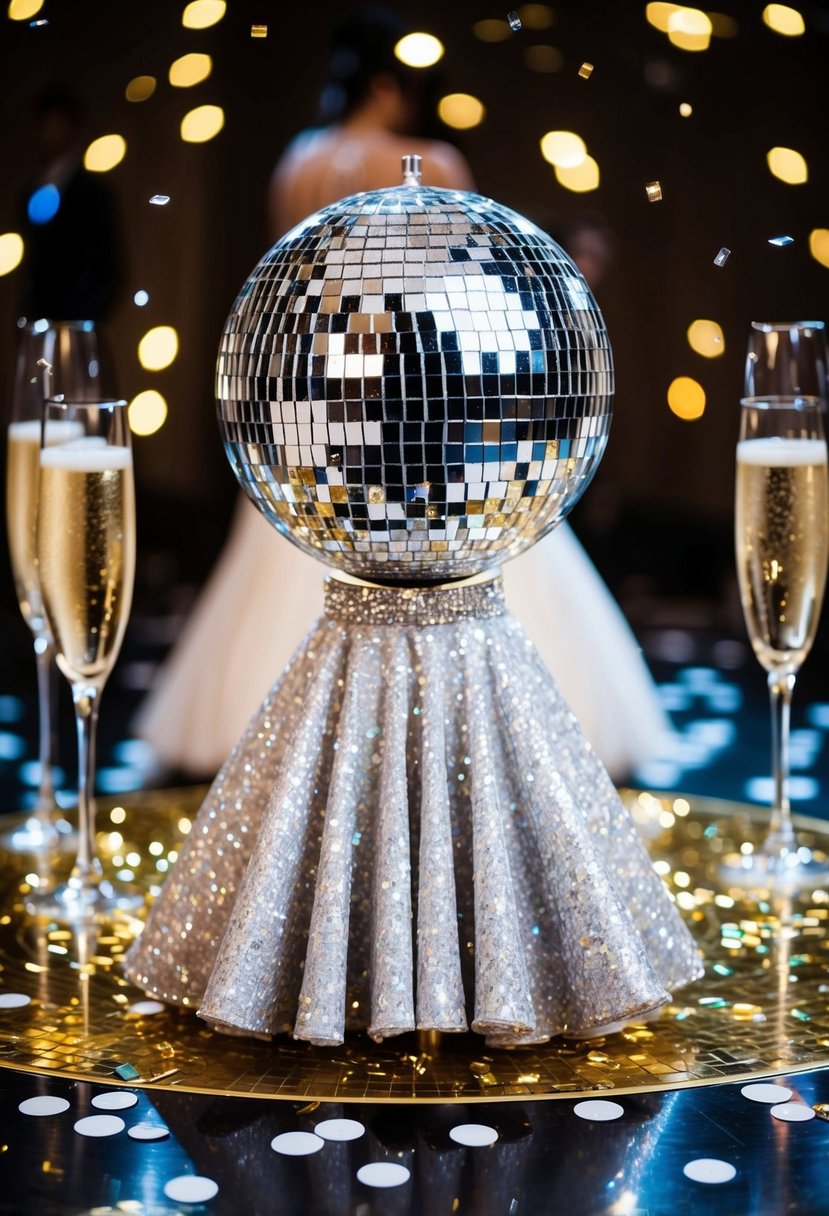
<point>140,88</point>
<point>536,16</point>
<point>706,338</point>
<point>819,245</point>
<point>105,153</point>
<point>141,298</point>
<point>201,124</point>
<point>686,109</point>
<point>11,251</point>
<point>147,412</point>
<point>542,58</point>
<point>419,50</point>
<point>784,20</point>
<point>564,149</point>
<point>22,10</point>
<point>201,14</point>
<point>657,15</point>
<point>690,29</point>
<point>686,398</point>
<point>43,204</point>
<point>189,70</point>
<point>491,30</point>
<point>158,348</point>
<point>579,178</point>
<point>461,111</point>
<point>787,165</point>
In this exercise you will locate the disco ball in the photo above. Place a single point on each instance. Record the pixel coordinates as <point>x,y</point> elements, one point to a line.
<point>415,384</point>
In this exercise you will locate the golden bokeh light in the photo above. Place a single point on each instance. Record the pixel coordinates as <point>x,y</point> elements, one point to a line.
<point>104,153</point>
<point>658,15</point>
<point>201,124</point>
<point>22,10</point>
<point>784,20</point>
<point>189,70</point>
<point>686,109</point>
<point>818,245</point>
<point>158,348</point>
<point>706,338</point>
<point>564,149</point>
<point>579,178</point>
<point>11,251</point>
<point>536,16</point>
<point>787,165</point>
<point>492,30</point>
<point>689,29</point>
<point>201,14</point>
<point>686,398</point>
<point>147,412</point>
<point>419,50</point>
<point>543,58</point>
<point>461,111</point>
<point>140,88</point>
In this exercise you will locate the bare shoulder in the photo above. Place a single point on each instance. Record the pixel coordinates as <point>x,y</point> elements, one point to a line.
<point>443,164</point>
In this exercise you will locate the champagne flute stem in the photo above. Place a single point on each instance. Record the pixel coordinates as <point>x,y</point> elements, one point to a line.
<point>47,705</point>
<point>781,834</point>
<point>87,868</point>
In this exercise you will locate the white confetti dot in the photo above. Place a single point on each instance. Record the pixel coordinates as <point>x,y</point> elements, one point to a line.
<point>598,1110</point>
<point>340,1129</point>
<point>383,1173</point>
<point>116,1099</point>
<point>766,1093</point>
<point>474,1135</point>
<point>191,1188</point>
<point>100,1125</point>
<point>297,1144</point>
<point>147,1131</point>
<point>709,1169</point>
<point>160,200</point>
<point>146,1008</point>
<point>793,1112</point>
<point>14,1000</point>
<point>44,1105</point>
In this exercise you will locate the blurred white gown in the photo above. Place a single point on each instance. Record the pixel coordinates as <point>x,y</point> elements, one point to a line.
<point>264,595</point>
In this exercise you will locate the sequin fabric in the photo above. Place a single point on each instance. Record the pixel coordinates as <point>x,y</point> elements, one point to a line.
<point>414,833</point>
<point>415,384</point>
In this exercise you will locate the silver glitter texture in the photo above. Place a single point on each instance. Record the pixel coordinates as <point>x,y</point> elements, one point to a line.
<point>415,384</point>
<point>414,833</point>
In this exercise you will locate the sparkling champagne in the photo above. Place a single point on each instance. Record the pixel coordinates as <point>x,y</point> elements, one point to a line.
<point>781,541</point>
<point>86,553</point>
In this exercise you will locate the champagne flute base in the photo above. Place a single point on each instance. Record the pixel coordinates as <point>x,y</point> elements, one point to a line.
<point>779,871</point>
<point>41,834</point>
<point>83,901</point>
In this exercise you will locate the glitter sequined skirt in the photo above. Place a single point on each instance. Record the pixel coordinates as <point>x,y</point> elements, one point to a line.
<point>413,833</point>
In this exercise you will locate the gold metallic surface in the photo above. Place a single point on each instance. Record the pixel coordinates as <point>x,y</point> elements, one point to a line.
<point>762,1008</point>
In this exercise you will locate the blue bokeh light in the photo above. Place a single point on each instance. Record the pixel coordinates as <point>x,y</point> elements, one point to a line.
<point>44,204</point>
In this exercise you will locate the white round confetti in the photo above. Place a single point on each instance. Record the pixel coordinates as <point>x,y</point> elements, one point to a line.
<point>764,1092</point>
<point>297,1144</point>
<point>116,1099</point>
<point>191,1188</point>
<point>44,1105</point>
<point>145,1008</point>
<point>100,1125</point>
<point>709,1169</point>
<point>598,1110</point>
<point>383,1173</point>
<point>475,1135</point>
<point>147,1131</point>
<point>14,1000</point>
<point>793,1112</point>
<point>340,1129</point>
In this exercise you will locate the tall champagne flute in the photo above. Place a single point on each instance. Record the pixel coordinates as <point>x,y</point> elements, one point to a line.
<point>86,560</point>
<point>782,547</point>
<point>52,357</point>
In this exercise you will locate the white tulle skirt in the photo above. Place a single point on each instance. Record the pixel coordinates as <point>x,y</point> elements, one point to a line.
<point>264,595</point>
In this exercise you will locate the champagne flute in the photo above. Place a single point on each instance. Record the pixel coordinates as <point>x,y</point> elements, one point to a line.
<point>52,357</point>
<point>782,546</point>
<point>86,561</point>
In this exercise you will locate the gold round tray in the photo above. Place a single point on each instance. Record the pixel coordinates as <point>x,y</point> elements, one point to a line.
<point>760,1009</point>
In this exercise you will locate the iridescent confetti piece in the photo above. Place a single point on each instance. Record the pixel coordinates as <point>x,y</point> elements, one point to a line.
<point>147,1131</point>
<point>514,21</point>
<point>793,1112</point>
<point>598,1110</point>
<point>586,71</point>
<point>383,1173</point>
<point>14,1000</point>
<point>100,1125</point>
<point>191,1188</point>
<point>258,31</point>
<point>653,191</point>
<point>127,1072</point>
<point>116,1099</point>
<point>297,1144</point>
<point>44,1104</point>
<point>162,1076</point>
<point>473,1135</point>
<point>709,1169</point>
<point>821,1109</point>
<point>722,257</point>
<point>160,200</point>
<point>35,25</point>
<point>764,1092</point>
<point>46,365</point>
<point>781,240</point>
<point>340,1129</point>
